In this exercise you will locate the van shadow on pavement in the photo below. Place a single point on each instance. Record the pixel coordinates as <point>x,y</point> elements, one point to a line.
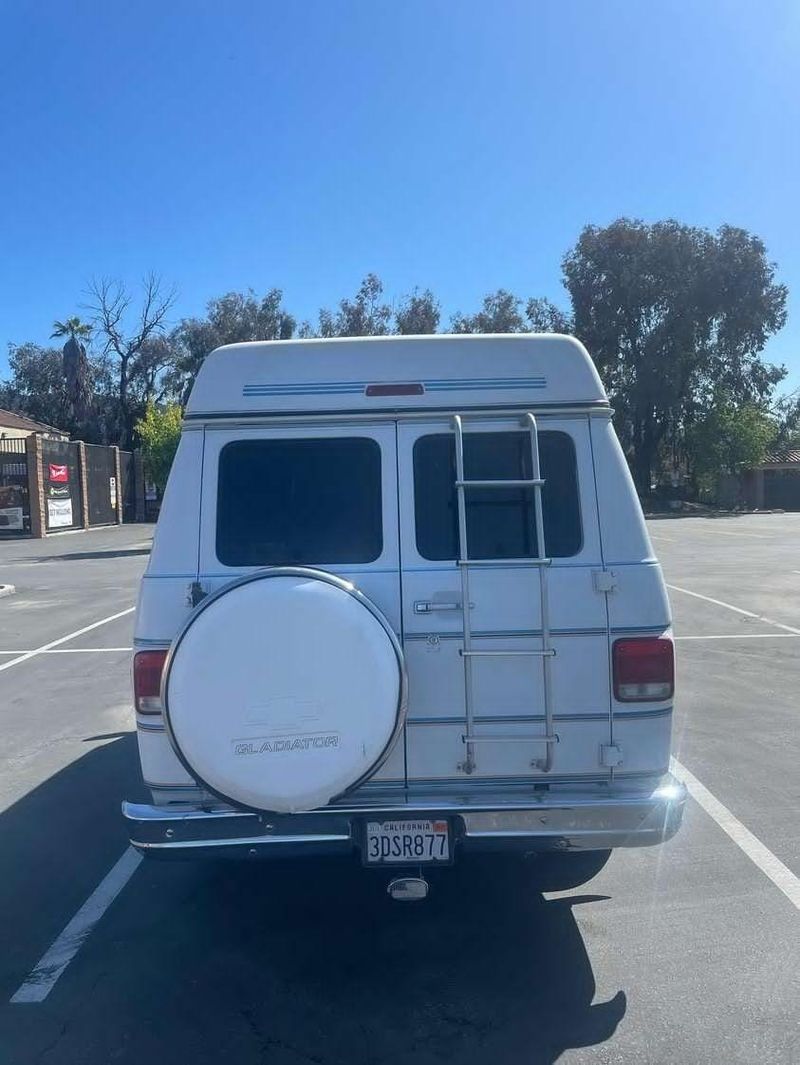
<point>81,556</point>
<point>281,963</point>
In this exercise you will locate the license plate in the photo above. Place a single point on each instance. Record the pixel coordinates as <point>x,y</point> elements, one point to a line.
<point>406,842</point>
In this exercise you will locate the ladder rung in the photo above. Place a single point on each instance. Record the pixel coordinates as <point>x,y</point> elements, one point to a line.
<point>518,738</point>
<point>546,652</point>
<point>527,483</point>
<point>499,562</point>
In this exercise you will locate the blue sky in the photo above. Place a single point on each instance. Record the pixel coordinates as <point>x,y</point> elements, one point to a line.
<point>459,145</point>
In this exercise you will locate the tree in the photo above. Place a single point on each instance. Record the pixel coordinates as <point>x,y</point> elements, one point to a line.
<point>230,319</point>
<point>363,316</point>
<point>787,414</point>
<point>76,369</point>
<point>36,387</point>
<point>544,317</point>
<point>126,335</point>
<point>159,431</point>
<point>727,439</point>
<point>500,313</point>
<point>672,314</point>
<point>417,313</point>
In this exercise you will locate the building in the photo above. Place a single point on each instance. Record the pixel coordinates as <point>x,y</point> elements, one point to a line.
<point>18,426</point>
<point>775,484</point>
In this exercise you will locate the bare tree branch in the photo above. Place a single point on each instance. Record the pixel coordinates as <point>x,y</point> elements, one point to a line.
<point>156,305</point>
<point>110,304</point>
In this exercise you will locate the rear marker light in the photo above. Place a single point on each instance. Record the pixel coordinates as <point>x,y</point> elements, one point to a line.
<point>409,389</point>
<point>147,669</point>
<point>644,670</point>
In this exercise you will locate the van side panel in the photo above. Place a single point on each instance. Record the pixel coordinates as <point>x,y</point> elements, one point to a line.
<point>622,526</point>
<point>638,604</point>
<point>164,606</point>
<point>175,541</point>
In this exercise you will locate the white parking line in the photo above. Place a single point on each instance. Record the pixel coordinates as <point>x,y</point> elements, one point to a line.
<point>25,655</point>
<point>727,532</point>
<point>71,651</point>
<point>85,650</point>
<point>38,985</point>
<point>729,606</point>
<point>771,866</point>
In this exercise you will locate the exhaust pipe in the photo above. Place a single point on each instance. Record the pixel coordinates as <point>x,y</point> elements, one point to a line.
<point>408,888</point>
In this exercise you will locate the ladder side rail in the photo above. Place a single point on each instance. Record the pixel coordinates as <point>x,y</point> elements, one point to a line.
<point>546,763</point>
<point>463,565</point>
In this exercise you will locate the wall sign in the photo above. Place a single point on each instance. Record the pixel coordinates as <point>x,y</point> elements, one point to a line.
<point>59,474</point>
<point>112,488</point>
<point>59,513</point>
<point>11,518</point>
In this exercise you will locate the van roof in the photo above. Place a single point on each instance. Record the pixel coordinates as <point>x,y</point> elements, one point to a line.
<point>442,371</point>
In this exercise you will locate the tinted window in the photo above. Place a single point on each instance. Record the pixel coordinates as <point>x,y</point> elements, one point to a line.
<point>299,502</point>
<point>500,521</point>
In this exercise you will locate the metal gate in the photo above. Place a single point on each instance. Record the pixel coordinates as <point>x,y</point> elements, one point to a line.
<point>782,489</point>
<point>101,484</point>
<point>127,487</point>
<point>15,515</point>
<point>62,492</point>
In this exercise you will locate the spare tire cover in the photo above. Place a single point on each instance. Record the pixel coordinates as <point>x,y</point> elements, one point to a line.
<point>284,690</point>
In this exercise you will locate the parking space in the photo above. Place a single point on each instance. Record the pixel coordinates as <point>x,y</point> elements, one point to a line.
<point>683,953</point>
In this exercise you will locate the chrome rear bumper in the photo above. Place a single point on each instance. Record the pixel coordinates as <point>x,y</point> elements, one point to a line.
<point>544,821</point>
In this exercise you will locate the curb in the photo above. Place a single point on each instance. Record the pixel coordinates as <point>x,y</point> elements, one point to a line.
<point>6,589</point>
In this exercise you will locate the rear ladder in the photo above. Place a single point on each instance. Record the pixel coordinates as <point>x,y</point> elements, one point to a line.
<point>540,562</point>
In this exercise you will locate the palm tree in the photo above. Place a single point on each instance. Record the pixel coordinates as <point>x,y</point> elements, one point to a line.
<point>73,327</point>
<point>76,369</point>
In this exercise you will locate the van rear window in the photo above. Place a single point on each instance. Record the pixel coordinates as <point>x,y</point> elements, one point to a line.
<point>299,502</point>
<point>500,521</point>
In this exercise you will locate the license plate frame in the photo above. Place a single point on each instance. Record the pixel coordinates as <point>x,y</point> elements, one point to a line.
<point>393,829</point>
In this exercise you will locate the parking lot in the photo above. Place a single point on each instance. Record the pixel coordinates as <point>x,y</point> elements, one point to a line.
<point>685,953</point>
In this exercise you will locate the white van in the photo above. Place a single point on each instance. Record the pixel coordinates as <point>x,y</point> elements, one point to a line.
<point>402,603</point>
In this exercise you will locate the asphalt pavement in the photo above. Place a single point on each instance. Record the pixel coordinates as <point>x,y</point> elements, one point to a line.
<point>685,953</point>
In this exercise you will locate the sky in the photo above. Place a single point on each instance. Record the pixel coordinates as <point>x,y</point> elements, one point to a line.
<point>456,145</point>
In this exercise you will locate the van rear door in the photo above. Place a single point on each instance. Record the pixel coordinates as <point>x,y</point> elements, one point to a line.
<point>314,495</point>
<point>505,609</point>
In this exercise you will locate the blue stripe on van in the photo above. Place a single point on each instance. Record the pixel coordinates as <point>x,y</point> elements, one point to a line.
<point>466,384</point>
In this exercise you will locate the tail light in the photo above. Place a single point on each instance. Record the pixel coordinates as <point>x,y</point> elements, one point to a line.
<point>147,669</point>
<point>644,669</point>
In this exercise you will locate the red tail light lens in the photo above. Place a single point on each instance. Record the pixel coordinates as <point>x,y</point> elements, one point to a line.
<point>644,670</point>
<point>147,669</point>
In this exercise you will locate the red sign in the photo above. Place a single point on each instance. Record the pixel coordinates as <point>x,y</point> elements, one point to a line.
<point>59,474</point>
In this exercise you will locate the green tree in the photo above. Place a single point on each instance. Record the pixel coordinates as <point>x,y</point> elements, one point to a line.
<point>673,314</point>
<point>545,317</point>
<point>500,313</point>
<point>726,439</point>
<point>417,313</point>
<point>36,386</point>
<point>363,316</point>
<point>787,414</point>
<point>229,319</point>
<point>159,431</point>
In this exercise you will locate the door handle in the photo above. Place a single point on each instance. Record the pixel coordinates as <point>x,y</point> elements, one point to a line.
<point>426,606</point>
